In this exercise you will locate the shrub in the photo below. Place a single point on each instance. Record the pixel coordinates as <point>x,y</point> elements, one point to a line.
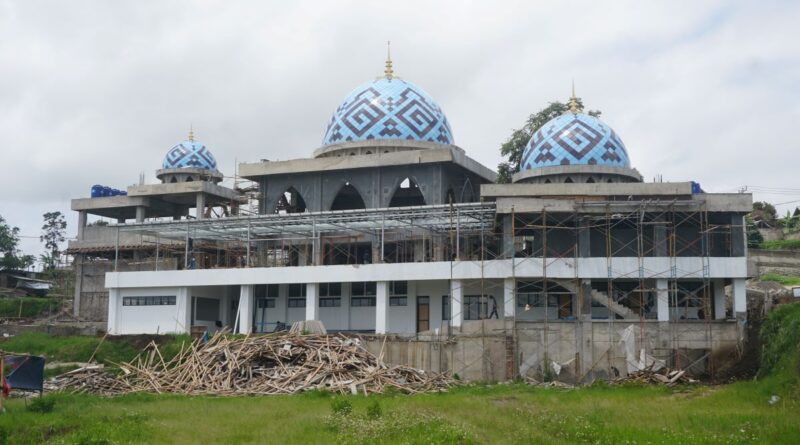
<point>42,405</point>
<point>374,410</point>
<point>341,406</point>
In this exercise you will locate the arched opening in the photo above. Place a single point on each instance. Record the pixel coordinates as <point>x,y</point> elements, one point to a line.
<point>407,194</point>
<point>590,181</point>
<point>174,180</point>
<point>609,181</point>
<point>290,201</point>
<point>348,198</point>
<point>368,152</point>
<point>189,179</point>
<point>547,181</point>
<point>467,193</point>
<point>568,181</point>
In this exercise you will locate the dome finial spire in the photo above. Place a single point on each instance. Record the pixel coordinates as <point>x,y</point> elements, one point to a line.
<point>573,101</point>
<point>388,72</point>
<point>191,133</point>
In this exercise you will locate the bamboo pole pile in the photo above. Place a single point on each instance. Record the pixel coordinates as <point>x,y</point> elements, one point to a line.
<point>285,363</point>
<point>663,376</point>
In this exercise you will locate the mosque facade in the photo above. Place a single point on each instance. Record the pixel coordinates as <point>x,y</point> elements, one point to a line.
<point>391,228</point>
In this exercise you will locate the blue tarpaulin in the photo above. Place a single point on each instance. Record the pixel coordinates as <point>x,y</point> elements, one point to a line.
<point>27,372</point>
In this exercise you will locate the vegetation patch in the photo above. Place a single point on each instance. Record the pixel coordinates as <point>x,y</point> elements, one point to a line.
<point>782,279</point>
<point>28,307</point>
<point>780,244</point>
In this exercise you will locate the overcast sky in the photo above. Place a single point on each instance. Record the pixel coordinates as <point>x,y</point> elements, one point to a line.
<point>97,92</point>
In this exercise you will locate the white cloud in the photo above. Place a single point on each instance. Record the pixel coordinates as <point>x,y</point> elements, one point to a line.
<point>95,92</point>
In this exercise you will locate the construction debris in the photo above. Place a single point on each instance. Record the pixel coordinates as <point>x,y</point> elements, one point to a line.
<point>285,363</point>
<point>661,376</point>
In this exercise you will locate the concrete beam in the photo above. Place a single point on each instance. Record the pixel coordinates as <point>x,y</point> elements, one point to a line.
<point>662,300</point>
<point>246,302</point>
<point>509,298</point>
<point>719,299</point>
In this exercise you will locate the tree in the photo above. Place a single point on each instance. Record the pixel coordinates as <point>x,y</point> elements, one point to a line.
<point>12,257</point>
<point>754,237</point>
<point>514,147</point>
<point>52,235</point>
<point>764,214</point>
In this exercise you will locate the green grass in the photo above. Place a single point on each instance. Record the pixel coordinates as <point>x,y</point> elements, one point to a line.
<point>80,348</point>
<point>27,307</point>
<point>780,244</point>
<point>502,414</point>
<point>782,279</point>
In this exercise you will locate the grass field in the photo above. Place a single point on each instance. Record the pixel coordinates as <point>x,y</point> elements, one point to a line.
<point>503,414</point>
<point>737,413</point>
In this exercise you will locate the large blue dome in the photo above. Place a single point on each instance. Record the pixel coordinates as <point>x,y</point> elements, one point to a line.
<point>388,108</point>
<point>574,139</point>
<point>190,154</point>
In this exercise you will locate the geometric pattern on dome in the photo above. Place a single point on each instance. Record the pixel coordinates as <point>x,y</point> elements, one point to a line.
<point>388,109</point>
<point>574,139</point>
<point>190,154</point>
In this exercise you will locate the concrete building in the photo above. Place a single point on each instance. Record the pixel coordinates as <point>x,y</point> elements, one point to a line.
<point>390,228</point>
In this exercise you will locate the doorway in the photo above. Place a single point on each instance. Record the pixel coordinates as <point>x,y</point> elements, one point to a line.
<point>423,313</point>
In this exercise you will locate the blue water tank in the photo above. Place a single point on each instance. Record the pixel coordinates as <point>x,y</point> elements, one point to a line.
<point>97,191</point>
<point>106,191</point>
<point>123,193</point>
<point>696,187</point>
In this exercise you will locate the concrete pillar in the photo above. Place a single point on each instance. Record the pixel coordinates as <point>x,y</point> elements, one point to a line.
<point>739,294</point>
<point>508,237</point>
<point>382,307</point>
<point>246,302</point>
<point>719,299</point>
<point>76,298</point>
<point>140,214</point>
<point>456,305</point>
<point>200,205</point>
<point>121,220</point>
<point>660,239</point>
<point>584,310</point>
<point>183,307</point>
<point>81,223</point>
<point>509,298</point>
<point>113,305</point>
<point>584,239</point>
<point>312,301</point>
<point>662,299</point>
<point>738,236</point>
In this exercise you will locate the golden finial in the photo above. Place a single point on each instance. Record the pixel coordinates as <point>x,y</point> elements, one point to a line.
<point>573,101</point>
<point>388,72</point>
<point>191,133</point>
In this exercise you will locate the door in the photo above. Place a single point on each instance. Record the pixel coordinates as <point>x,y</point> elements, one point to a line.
<point>423,313</point>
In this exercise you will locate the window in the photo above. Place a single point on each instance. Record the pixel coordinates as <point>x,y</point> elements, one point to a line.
<point>475,307</point>
<point>398,288</point>
<point>360,289</point>
<point>297,290</point>
<point>536,299</point>
<point>330,302</point>
<point>398,301</point>
<point>362,301</point>
<point>330,289</point>
<point>262,303</point>
<point>445,307</point>
<point>272,290</point>
<point>297,302</point>
<point>149,301</point>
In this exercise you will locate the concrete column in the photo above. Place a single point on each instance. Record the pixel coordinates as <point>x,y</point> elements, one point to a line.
<point>76,299</point>
<point>140,214</point>
<point>120,220</point>
<point>246,301</point>
<point>456,305</point>
<point>382,307</point>
<point>739,294</point>
<point>508,237</point>
<point>200,205</point>
<point>662,299</point>
<point>81,223</point>
<point>113,305</point>
<point>584,239</point>
<point>509,299</point>
<point>738,236</point>
<point>183,307</point>
<point>719,299</point>
<point>660,239</point>
<point>312,301</point>
<point>584,310</point>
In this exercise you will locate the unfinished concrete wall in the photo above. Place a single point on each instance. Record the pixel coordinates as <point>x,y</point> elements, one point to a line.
<point>492,350</point>
<point>783,262</point>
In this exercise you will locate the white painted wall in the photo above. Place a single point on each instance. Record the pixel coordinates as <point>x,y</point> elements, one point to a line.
<point>147,319</point>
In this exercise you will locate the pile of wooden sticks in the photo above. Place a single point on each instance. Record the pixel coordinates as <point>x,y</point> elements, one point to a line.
<point>285,363</point>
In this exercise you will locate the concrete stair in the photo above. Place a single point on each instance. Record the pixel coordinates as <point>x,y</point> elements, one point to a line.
<point>613,306</point>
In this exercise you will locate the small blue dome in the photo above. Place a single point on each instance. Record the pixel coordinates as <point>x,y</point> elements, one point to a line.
<point>190,154</point>
<point>388,108</point>
<point>574,139</point>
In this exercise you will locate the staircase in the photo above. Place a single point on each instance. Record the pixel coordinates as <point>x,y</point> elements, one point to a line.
<point>602,298</point>
<point>613,306</point>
